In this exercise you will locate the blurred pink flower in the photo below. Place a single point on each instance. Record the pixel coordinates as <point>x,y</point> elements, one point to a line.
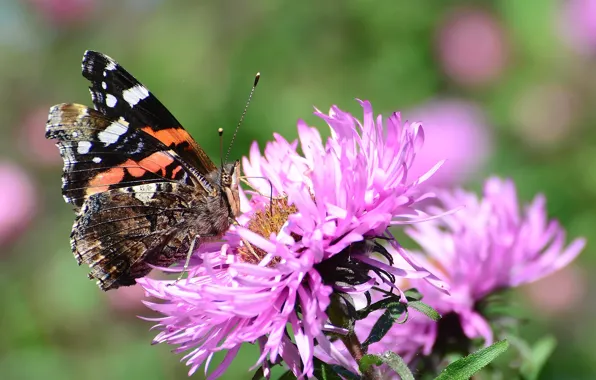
<point>486,247</point>
<point>17,201</point>
<point>489,246</point>
<point>64,13</point>
<point>456,131</point>
<point>577,24</point>
<point>472,47</point>
<point>32,142</point>
<point>126,299</point>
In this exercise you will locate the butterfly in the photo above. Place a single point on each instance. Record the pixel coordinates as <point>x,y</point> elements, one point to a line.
<point>144,192</point>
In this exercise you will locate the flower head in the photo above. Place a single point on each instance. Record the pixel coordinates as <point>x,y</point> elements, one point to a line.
<point>306,210</point>
<point>487,246</point>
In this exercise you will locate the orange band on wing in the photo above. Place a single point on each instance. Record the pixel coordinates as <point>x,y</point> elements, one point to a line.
<point>157,162</point>
<point>102,181</point>
<point>170,136</point>
<point>176,170</point>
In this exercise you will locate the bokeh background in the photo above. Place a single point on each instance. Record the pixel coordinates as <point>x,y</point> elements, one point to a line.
<point>504,86</point>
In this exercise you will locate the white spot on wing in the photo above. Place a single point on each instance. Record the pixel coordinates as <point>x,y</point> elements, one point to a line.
<point>83,147</point>
<point>135,94</point>
<point>145,193</point>
<point>111,65</point>
<point>104,85</point>
<point>113,132</point>
<point>97,160</point>
<point>111,100</point>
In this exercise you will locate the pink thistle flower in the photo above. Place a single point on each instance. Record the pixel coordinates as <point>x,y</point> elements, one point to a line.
<point>472,47</point>
<point>484,248</point>
<point>65,13</point>
<point>304,243</point>
<point>577,25</point>
<point>456,131</point>
<point>18,201</point>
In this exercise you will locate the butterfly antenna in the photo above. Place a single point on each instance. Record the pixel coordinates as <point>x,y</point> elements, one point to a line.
<point>252,91</point>
<point>220,132</point>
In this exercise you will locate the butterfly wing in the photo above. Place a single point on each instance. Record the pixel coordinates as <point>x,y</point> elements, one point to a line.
<point>116,93</point>
<point>141,186</point>
<point>121,232</point>
<point>101,154</point>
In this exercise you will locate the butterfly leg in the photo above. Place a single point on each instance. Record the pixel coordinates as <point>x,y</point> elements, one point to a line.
<point>188,256</point>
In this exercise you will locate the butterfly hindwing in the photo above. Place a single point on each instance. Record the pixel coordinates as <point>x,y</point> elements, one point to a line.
<point>116,93</point>
<point>121,232</point>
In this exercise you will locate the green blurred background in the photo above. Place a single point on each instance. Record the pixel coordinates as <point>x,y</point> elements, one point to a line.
<point>505,87</point>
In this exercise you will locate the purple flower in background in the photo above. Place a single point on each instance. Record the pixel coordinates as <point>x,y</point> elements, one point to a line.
<point>472,47</point>
<point>17,201</point>
<point>486,247</point>
<point>578,25</point>
<point>65,13</point>
<point>457,132</point>
<point>302,237</point>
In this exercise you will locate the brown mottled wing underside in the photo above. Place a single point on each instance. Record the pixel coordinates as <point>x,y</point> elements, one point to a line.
<point>119,232</point>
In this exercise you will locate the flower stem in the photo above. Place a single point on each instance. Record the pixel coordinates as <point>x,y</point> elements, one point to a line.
<point>339,316</point>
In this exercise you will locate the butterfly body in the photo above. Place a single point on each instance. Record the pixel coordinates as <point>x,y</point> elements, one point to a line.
<point>144,192</point>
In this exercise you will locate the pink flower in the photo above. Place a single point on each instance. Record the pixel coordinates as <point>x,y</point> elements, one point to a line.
<point>457,132</point>
<point>65,12</point>
<point>472,47</point>
<point>486,247</point>
<point>303,245</point>
<point>578,25</point>
<point>17,201</point>
<point>126,299</point>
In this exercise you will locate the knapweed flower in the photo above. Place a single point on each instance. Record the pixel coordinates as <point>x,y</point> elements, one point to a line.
<point>18,201</point>
<point>472,46</point>
<point>457,132</point>
<point>484,248</point>
<point>577,25</point>
<point>300,238</point>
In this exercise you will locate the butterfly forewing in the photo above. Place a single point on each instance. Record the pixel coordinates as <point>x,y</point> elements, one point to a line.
<point>101,154</point>
<point>116,93</point>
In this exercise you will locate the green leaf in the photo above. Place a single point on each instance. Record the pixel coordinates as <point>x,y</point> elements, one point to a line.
<point>379,305</point>
<point>540,353</point>
<point>385,322</point>
<point>464,368</point>
<point>259,374</point>
<point>413,295</point>
<point>396,363</point>
<point>369,360</point>
<point>425,309</point>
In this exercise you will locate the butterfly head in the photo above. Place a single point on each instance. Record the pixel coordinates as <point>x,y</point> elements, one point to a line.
<point>230,180</point>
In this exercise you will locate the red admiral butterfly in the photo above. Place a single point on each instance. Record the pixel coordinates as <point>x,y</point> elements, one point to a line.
<point>143,190</point>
